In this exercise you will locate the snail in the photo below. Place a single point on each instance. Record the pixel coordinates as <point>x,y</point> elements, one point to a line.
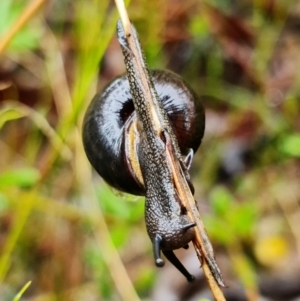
<point>109,127</point>
<point>129,155</point>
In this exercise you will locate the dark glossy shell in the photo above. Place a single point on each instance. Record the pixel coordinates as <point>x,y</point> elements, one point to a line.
<point>108,115</point>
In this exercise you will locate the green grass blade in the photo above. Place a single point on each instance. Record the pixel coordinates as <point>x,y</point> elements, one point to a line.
<point>19,295</point>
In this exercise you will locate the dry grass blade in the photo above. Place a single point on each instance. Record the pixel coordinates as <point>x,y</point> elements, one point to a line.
<point>27,14</point>
<point>201,242</point>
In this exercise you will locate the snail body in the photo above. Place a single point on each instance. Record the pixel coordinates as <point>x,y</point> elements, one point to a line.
<point>129,150</point>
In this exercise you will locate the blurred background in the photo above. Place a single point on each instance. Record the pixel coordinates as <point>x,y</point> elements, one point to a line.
<point>75,238</point>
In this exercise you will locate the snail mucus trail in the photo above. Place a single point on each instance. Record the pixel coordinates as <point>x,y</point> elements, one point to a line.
<point>123,144</point>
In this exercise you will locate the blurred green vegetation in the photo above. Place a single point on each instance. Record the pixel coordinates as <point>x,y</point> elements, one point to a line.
<point>63,228</point>
<point>19,295</point>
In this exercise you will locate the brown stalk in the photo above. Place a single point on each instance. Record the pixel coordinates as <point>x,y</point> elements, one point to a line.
<point>201,242</point>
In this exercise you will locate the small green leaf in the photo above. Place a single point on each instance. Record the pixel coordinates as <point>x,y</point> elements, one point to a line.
<point>145,279</point>
<point>290,145</point>
<point>137,210</point>
<point>120,234</point>
<point>19,295</point>
<point>199,28</point>
<point>243,218</point>
<point>4,13</point>
<point>221,200</point>
<point>3,202</point>
<point>111,203</point>
<point>23,177</point>
<point>219,230</point>
<point>8,115</point>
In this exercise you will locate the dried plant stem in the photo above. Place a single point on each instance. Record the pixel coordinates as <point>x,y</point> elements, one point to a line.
<point>29,11</point>
<point>123,16</point>
<point>201,242</point>
<point>214,287</point>
<point>133,47</point>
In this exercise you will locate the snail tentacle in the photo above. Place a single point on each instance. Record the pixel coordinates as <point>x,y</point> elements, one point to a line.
<point>176,262</point>
<point>158,243</point>
<point>188,226</point>
<point>159,262</point>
